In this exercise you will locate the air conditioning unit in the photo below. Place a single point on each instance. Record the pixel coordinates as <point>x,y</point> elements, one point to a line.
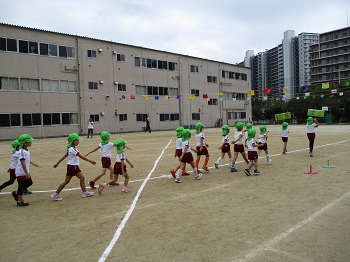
<point>114,52</point>
<point>100,50</point>
<point>115,83</point>
<point>101,82</point>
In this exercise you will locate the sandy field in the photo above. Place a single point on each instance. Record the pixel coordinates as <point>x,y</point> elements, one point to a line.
<point>281,215</point>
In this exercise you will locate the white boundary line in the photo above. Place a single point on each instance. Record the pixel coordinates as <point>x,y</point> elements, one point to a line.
<point>129,212</point>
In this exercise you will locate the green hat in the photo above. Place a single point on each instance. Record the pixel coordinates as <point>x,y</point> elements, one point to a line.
<point>119,144</point>
<point>251,134</point>
<point>15,144</point>
<point>105,137</point>
<point>185,134</point>
<point>179,131</point>
<point>248,126</point>
<point>239,125</point>
<point>224,129</point>
<point>262,130</point>
<point>24,138</point>
<point>71,138</point>
<point>310,120</point>
<point>284,126</point>
<point>199,125</point>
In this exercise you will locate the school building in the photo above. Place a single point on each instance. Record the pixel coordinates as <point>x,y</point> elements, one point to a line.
<point>52,83</point>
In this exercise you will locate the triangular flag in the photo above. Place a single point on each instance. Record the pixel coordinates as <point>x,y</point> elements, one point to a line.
<point>325,85</point>
<point>220,94</point>
<point>285,89</point>
<point>322,96</point>
<point>251,93</point>
<point>132,97</point>
<point>307,94</point>
<point>178,97</point>
<point>166,97</point>
<point>234,98</point>
<point>156,97</point>
<point>267,91</point>
<point>145,97</point>
<point>234,94</point>
<point>331,95</point>
<point>123,97</point>
<point>192,96</point>
<point>205,96</point>
<point>334,91</point>
<point>304,89</point>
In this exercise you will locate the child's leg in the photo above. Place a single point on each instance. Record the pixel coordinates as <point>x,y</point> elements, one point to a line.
<point>235,155</point>
<point>8,183</point>
<point>259,152</point>
<point>267,157</point>
<point>197,161</point>
<point>284,147</point>
<point>82,179</point>
<point>126,180</point>
<point>244,155</point>
<point>230,157</point>
<point>197,174</point>
<point>103,172</point>
<point>311,144</point>
<point>206,160</point>
<point>21,186</point>
<point>63,184</point>
<point>219,159</point>
<point>256,164</point>
<point>180,170</point>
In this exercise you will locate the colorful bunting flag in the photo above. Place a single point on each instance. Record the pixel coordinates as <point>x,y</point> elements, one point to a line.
<point>234,94</point>
<point>325,85</point>
<point>251,92</point>
<point>123,97</point>
<point>267,91</point>
<point>304,89</point>
<point>307,94</point>
<point>285,89</point>
<point>192,96</point>
<point>132,97</point>
<point>322,96</point>
<point>166,97</point>
<point>341,93</point>
<point>205,96</point>
<point>145,97</point>
<point>220,94</point>
<point>156,97</point>
<point>178,97</point>
<point>334,91</point>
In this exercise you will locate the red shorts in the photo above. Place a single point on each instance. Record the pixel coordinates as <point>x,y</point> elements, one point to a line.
<point>203,152</point>
<point>21,178</point>
<point>118,168</point>
<point>252,155</point>
<point>238,148</point>
<point>188,158</point>
<point>311,135</point>
<point>178,152</point>
<point>262,146</point>
<point>106,162</point>
<point>12,174</point>
<point>226,148</point>
<point>72,170</point>
<point>284,139</point>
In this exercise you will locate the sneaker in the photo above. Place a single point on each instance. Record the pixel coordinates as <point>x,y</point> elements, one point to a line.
<point>269,162</point>
<point>92,184</point>
<point>198,176</point>
<point>22,204</point>
<point>15,196</point>
<point>216,165</point>
<point>233,169</point>
<point>56,197</point>
<point>178,180</point>
<point>205,168</point>
<point>125,190</point>
<point>173,173</point>
<point>256,172</point>
<point>27,192</point>
<point>247,172</point>
<point>310,154</point>
<point>100,188</point>
<point>185,174</point>
<point>284,152</point>
<point>87,194</point>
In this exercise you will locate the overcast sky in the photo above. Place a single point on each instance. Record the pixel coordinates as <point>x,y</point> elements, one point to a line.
<point>220,30</point>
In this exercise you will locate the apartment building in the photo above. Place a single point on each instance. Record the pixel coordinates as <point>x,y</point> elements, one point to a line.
<point>51,83</point>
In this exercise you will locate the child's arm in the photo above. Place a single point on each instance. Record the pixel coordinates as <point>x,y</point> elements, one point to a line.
<point>183,153</point>
<point>61,159</point>
<point>316,122</point>
<point>92,151</point>
<point>194,150</point>
<point>86,159</point>
<point>34,164</point>
<point>131,165</point>
<point>235,141</point>
<point>128,147</point>
<point>122,163</point>
<point>23,163</point>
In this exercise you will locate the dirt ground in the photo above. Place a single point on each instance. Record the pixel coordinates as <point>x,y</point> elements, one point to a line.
<point>280,215</point>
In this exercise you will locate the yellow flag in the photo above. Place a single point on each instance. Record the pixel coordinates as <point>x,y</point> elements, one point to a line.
<point>220,94</point>
<point>285,89</point>
<point>192,96</point>
<point>145,97</point>
<point>166,97</point>
<point>251,92</point>
<point>325,85</point>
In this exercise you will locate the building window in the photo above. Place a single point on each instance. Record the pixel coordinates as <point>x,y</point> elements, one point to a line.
<point>195,92</point>
<point>236,115</point>
<point>69,118</point>
<point>11,45</point>
<point>212,79</point>
<point>194,69</point>
<point>91,53</point>
<point>196,116</point>
<point>44,49</point>
<point>123,117</point>
<point>31,119</point>
<point>172,66</point>
<point>28,84</point>
<point>141,90</point>
<point>9,83</point>
<point>93,86</point>
<point>141,117</point>
<point>2,44</point>
<point>95,118</point>
<point>212,102</point>
<point>121,87</point>
<point>51,119</point>
<point>120,58</point>
<point>169,117</point>
<point>8,120</point>
<point>53,50</point>
<point>23,46</point>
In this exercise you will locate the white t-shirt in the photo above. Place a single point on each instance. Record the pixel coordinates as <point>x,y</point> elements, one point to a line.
<point>73,158</point>
<point>186,143</point>
<point>22,154</point>
<point>285,133</point>
<point>120,157</point>
<point>250,144</point>
<point>91,125</point>
<point>237,135</point>
<point>179,143</point>
<point>262,138</point>
<point>311,128</point>
<point>106,149</point>
<point>225,139</point>
<point>14,160</point>
<point>199,138</point>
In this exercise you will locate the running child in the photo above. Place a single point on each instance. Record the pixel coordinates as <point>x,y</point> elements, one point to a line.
<point>201,147</point>
<point>14,159</point>
<point>284,136</point>
<point>225,146</point>
<point>22,170</point>
<point>238,146</point>
<point>178,150</point>
<point>252,153</point>
<point>119,167</point>
<point>263,143</point>
<point>311,132</point>
<point>72,167</point>
<point>186,156</point>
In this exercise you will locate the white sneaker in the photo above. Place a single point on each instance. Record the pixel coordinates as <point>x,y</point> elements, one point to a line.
<point>199,175</point>
<point>178,180</point>
<point>269,161</point>
<point>56,197</point>
<point>216,165</point>
<point>87,194</point>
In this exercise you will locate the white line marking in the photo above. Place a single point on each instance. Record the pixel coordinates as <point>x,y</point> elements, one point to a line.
<point>129,212</point>
<point>269,244</point>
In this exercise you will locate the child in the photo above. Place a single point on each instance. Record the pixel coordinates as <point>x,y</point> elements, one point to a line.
<point>178,150</point>
<point>201,147</point>
<point>106,148</point>
<point>263,143</point>
<point>11,170</point>
<point>252,153</point>
<point>186,156</point>
<point>225,146</point>
<point>22,169</point>
<point>119,167</point>
<point>238,146</point>
<point>72,167</point>
<point>284,136</point>
<point>311,132</point>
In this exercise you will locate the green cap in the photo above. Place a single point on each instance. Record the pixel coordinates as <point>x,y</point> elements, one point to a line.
<point>284,126</point>
<point>239,125</point>
<point>71,138</point>
<point>105,137</point>
<point>179,131</point>
<point>224,129</point>
<point>251,134</point>
<point>185,134</point>
<point>262,130</point>
<point>310,120</point>
<point>119,144</point>
<point>199,125</point>
<point>15,144</point>
<point>24,138</point>
<point>248,126</point>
